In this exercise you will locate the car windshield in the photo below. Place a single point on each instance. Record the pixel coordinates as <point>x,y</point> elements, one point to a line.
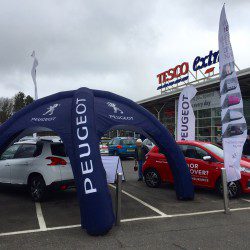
<point>215,149</point>
<point>128,141</point>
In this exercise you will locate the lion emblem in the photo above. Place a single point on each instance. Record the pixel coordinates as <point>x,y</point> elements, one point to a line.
<point>113,106</point>
<point>51,109</point>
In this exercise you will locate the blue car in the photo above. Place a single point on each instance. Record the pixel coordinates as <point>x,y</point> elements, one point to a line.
<point>122,146</point>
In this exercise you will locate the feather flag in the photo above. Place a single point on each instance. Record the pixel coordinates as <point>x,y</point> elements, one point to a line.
<point>33,72</point>
<point>234,128</point>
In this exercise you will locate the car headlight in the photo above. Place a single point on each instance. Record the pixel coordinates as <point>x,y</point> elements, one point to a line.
<point>246,170</point>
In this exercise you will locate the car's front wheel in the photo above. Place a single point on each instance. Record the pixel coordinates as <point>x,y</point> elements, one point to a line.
<point>37,188</point>
<point>233,187</point>
<point>152,178</point>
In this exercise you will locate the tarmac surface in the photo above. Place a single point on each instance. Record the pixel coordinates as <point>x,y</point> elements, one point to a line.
<point>151,218</point>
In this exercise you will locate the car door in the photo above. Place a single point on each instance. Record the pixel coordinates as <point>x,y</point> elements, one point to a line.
<point>5,162</point>
<point>22,162</point>
<point>162,166</point>
<point>113,146</point>
<point>202,171</point>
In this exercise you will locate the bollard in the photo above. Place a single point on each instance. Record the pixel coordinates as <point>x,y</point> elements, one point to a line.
<point>118,198</point>
<point>225,191</point>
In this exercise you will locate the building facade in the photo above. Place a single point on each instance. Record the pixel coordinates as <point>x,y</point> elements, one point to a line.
<point>206,105</point>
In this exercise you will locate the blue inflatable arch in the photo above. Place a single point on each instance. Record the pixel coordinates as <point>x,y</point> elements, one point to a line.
<point>80,118</point>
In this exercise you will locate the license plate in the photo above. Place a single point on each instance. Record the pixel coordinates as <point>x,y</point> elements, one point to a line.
<point>130,150</point>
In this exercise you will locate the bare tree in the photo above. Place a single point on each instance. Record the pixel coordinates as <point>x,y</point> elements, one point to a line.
<point>6,108</point>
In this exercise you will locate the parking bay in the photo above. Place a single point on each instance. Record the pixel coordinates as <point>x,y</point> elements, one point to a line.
<point>19,213</point>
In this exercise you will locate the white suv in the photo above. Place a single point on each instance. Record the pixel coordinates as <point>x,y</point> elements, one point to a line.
<point>41,164</point>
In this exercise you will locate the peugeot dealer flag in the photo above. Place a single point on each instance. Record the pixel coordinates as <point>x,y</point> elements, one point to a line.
<point>186,118</point>
<point>234,128</point>
<point>33,73</point>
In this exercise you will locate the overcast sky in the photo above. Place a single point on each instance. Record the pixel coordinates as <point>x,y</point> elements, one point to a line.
<point>115,45</point>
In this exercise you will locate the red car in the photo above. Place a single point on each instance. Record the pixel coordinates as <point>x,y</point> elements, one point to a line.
<point>204,160</point>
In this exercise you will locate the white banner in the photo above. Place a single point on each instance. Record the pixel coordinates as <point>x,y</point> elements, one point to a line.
<point>234,128</point>
<point>33,73</point>
<point>112,166</point>
<point>186,118</point>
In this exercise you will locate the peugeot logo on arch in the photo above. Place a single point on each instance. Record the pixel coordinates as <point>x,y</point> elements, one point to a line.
<point>116,109</point>
<point>51,109</point>
<point>118,113</point>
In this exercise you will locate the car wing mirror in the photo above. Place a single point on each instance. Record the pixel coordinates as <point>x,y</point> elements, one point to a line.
<point>207,158</point>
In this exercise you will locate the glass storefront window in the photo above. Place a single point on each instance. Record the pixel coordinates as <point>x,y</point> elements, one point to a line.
<point>208,125</point>
<point>204,131</point>
<point>206,122</point>
<point>216,112</point>
<point>216,121</point>
<point>205,113</point>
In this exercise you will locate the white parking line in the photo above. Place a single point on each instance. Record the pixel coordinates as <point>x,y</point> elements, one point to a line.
<point>185,214</point>
<point>143,202</point>
<point>245,200</point>
<point>21,232</point>
<point>125,220</point>
<point>239,209</point>
<point>62,227</point>
<point>40,217</point>
<point>144,218</point>
<point>39,230</point>
<point>173,215</point>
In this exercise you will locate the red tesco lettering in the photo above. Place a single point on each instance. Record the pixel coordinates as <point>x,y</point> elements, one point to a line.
<point>176,72</point>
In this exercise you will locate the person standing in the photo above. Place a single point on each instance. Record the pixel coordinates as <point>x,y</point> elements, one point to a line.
<point>219,139</point>
<point>246,147</point>
<point>140,153</point>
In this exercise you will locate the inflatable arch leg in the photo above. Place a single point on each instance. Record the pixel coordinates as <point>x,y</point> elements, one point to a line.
<point>97,215</point>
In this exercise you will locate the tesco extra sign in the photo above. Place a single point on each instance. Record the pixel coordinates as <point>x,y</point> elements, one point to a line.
<point>175,75</point>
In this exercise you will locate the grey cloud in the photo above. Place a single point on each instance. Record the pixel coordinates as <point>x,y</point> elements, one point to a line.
<point>113,45</point>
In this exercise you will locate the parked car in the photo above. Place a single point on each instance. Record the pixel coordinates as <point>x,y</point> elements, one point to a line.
<point>204,160</point>
<point>122,146</point>
<point>39,164</point>
<point>27,138</point>
<point>148,143</point>
<point>104,149</point>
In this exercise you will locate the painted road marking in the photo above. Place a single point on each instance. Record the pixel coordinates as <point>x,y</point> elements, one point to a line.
<point>39,230</point>
<point>40,218</point>
<point>21,232</point>
<point>142,202</point>
<point>144,218</point>
<point>127,220</point>
<point>173,215</point>
<point>245,200</point>
<point>186,214</point>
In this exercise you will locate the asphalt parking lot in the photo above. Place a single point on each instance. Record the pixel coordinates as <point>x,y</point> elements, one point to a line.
<point>151,218</point>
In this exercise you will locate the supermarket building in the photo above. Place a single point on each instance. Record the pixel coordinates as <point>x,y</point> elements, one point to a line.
<point>206,104</point>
